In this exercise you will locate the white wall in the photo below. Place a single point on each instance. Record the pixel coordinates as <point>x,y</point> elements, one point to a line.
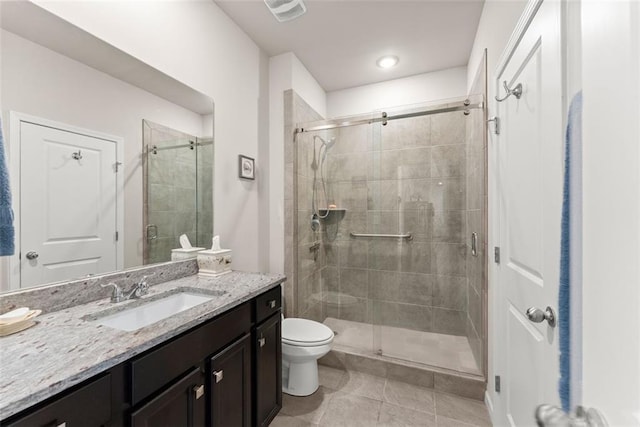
<point>197,44</point>
<point>497,22</point>
<point>285,72</point>
<point>72,93</point>
<point>437,85</point>
<point>611,209</point>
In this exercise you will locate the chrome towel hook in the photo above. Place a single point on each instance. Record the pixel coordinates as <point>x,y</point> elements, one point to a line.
<point>516,91</point>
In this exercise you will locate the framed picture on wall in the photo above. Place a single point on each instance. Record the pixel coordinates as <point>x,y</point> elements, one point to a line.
<point>246,167</point>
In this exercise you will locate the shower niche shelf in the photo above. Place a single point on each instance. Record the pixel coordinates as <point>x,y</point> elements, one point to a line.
<point>333,214</point>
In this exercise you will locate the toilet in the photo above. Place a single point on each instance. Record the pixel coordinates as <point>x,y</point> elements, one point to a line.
<point>303,343</point>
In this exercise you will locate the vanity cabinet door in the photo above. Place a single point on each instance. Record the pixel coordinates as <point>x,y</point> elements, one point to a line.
<point>230,378</point>
<point>268,378</point>
<point>182,404</point>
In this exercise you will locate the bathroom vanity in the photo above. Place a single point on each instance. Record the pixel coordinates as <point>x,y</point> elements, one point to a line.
<point>216,364</point>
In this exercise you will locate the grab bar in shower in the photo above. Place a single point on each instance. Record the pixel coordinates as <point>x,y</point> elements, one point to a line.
<point>407,236</point>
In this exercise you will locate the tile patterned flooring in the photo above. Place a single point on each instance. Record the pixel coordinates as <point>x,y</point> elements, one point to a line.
<point>352,399</point>
<point>444,351</point>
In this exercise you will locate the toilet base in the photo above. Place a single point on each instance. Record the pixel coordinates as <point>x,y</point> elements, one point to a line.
<point>300,379</point>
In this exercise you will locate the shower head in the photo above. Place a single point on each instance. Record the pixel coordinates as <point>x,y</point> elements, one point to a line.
<point>328,144</point>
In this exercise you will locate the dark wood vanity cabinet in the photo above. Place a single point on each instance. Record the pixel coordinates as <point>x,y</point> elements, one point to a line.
<point>230,385</point>
<point>225,372</point>
<point>180,404</point>
<point>88,404</point>
<point>268,367</point>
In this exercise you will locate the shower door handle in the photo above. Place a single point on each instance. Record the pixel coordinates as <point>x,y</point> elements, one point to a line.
<point>152,232</point>
<point>474,244</point>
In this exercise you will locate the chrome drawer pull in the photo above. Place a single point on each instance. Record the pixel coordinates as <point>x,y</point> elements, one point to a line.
<point>198,391</point>
<point>271,303</point>
<point>262,341</point>
<point>219,375</point>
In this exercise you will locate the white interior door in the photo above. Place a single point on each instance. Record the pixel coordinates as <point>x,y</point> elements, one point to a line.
<point>530,153</point>
<point>67,206</point>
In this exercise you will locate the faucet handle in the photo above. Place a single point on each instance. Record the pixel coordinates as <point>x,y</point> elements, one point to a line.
<point>116,296</point>
<point>142,287</point>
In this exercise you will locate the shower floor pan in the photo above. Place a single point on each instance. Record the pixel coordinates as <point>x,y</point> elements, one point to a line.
<point>438,350</point>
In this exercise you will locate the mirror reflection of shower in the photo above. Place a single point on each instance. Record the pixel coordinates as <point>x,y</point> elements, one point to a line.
<point>318,165</point>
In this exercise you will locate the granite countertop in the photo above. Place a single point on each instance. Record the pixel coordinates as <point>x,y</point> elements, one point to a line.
<point>64,349</point>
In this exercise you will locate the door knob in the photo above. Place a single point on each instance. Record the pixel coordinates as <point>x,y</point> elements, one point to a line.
<point>32,255</point>
<point>218,375</point>
<point>537,316</point>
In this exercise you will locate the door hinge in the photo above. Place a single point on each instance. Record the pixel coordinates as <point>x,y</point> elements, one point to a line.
<point>496,124</point>
<point>496,255</point>
<point>117,236</point>
<point>497,383</point>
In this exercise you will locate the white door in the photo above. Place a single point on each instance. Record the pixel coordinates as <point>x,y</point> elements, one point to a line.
<point>530,159</point>
<point>67,205</point>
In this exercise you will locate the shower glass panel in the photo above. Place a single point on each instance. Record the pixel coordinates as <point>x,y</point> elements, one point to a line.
<point>178,171</point>
<point>419,285</point>
<point>204,192</point>
<point>389,265</point>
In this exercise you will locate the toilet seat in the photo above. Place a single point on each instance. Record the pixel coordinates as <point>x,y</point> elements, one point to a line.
<point>305,333</point>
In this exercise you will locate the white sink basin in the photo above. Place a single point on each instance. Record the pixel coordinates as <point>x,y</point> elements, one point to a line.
<point>138,317</point>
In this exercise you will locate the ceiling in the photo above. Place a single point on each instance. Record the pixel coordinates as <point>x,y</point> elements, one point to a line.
<point>33,23</point>
<point>339,41</point>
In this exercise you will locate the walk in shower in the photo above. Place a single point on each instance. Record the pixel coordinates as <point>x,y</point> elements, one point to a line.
<point>391,223</point>
<point>178,190</point>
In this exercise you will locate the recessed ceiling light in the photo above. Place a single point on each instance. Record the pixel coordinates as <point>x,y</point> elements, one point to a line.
<point>387,61</point>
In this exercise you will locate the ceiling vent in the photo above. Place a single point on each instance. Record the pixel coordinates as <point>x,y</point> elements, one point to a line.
<point>286,10</point>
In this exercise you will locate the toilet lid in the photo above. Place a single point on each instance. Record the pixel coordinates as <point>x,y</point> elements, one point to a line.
<point>305,331</point>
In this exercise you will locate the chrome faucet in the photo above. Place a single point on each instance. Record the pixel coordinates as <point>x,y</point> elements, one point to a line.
<point>116,296</point>
<point>139,289</point>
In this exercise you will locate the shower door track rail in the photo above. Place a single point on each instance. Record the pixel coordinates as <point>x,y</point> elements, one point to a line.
<point>384,118</point>
<point>407,236</point>
<point>154,148</point>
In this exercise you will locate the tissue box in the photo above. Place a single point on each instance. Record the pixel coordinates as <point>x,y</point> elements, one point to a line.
<point>214,263</point>
<point>181,254</point>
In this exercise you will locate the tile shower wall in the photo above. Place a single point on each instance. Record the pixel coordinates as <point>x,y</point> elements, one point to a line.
<point>302,290</point>
<point>405,177</point>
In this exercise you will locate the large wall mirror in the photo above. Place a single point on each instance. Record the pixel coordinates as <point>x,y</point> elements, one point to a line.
<point>110,160</point>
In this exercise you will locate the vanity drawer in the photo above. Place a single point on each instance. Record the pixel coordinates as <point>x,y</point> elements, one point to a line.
<point>268,304</point>
<point>87,406</point>
<point>158,367</point>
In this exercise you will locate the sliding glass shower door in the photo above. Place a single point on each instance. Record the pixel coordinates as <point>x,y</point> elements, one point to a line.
<point>178,181</point>
<point>418,283</point>
<point>385,230</point>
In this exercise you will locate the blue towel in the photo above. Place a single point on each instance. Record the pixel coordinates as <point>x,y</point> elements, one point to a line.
<point>7,232</point>
<point>570,253</point>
